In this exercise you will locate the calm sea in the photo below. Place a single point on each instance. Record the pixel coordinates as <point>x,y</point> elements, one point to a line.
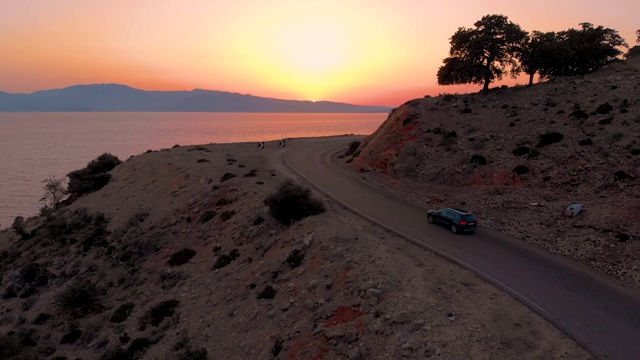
<point>35,146</point>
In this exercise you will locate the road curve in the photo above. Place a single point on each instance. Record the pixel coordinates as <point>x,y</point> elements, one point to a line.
<point>599,312</point>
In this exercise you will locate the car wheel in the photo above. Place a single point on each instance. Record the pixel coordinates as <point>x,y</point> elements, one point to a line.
<point>454,229</point>
<point>430,219</point>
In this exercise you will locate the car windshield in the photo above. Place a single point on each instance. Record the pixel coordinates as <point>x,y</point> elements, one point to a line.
<point>469,217</point>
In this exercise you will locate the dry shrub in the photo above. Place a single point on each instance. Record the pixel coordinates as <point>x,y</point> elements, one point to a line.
<point>293,202</point>
<point>80,299</point>
<point>181,257</point>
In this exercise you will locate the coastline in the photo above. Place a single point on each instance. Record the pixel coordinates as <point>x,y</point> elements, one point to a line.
<point>351,296</point>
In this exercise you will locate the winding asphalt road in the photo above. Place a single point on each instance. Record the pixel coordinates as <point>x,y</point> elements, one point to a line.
<point>599,312</point>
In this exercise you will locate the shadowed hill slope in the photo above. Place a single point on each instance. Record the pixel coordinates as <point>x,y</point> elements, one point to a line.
<point>518,156</point>
<point>177,257</point>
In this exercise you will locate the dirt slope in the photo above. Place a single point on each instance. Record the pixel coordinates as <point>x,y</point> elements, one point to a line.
<point>518,156</point>
<point>187,263</point>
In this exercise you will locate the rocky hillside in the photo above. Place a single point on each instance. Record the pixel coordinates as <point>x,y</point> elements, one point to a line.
<point>178,257</point>
<point>518,156</point>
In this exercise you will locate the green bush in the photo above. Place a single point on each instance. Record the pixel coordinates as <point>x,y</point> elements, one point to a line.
<point>269,292</point>
<point>521,170</point>
<point>206,216</point>
<point>579,114</point>
<point>258,220</point>
<point>79,226</point>
<point>549,138</point>
<point>224,201</point>
<point>160,311</point>
<point>34,273</point>
<point>93,177</point>
<point>200,354</point>
<point>448,97</point>
<point>96,233</point>
<point>478,159</point>
<point>295,258</point>
<point>521,151</point>
<point>136,349</point>
<point>227,176</point>
<point>18,227</point>
<point>604,108</point>
<point>9,293</point>
<point>181,257</point>
<point>80,299</point>
<point>47,212</point>
<point>122,313</point>
<point>292,202</point>
<point>71,337</point>
<point>585,142</point>
<point>410,119</point>
<point>41,318</point>
<point>252,173</point>
<point>224,259</point>
<point>226,215</point>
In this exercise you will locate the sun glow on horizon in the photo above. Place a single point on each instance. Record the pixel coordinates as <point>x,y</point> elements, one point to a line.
<point>314,56</point>
<point>356,51</point>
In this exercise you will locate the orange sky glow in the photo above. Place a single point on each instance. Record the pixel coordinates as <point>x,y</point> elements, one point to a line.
<point>363,52</point>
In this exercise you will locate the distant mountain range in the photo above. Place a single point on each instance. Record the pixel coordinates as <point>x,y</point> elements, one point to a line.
<point>115,97</point>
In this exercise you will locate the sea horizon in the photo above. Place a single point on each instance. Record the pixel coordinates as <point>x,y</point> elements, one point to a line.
<point>35,146</point>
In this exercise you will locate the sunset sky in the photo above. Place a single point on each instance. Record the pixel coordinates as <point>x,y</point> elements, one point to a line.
<point>356,51</point>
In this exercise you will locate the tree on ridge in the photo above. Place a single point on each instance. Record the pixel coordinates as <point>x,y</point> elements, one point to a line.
<point>482,54</point>
<point>589,49</point>
<point>634,51</point>
<point>541,53</point>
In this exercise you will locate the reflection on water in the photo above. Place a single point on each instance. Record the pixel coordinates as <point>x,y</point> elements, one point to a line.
<point>35,146</point>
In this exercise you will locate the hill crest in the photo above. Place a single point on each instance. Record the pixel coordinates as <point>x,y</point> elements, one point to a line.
<point>518,156</point>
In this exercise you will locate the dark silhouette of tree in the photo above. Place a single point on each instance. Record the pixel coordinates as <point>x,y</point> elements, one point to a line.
<point>482,54</point>
<point>54,192</point>
<point>589,49</point>
<point>93,177</point>
<point>541,53</point>
<point>634,51</point>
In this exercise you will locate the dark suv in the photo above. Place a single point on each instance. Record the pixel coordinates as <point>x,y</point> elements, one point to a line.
<point>455,219</point>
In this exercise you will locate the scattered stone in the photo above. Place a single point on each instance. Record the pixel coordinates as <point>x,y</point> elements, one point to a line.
<point>354,353</point>
<point>351,335</point>
<point>227,176</point>
<point>374,293</point>
<point>403,317</point>
<point>333,332</point>
<point>309,304</point>
<point>366,285</point>
<point>307,240</point>
<point>604,108</point>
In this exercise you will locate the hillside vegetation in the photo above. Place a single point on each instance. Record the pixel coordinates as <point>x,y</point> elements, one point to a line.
<point>207,252</point>
<point>518,156</point>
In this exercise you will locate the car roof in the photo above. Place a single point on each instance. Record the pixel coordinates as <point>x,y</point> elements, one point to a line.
<point>460,211</point>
